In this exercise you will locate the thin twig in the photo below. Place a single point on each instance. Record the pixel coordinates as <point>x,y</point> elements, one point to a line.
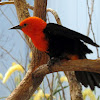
<point>27,54</point>
<point>5,85</point>
<point>48,81</point>
<point>49,87</point>
<point>31,7</point>
<point>55,15</point>
<point>12,2</point>
<point>90,24</point>
<point>13,25</point>
<point>95,41</point>
<point>11,56</point>
<point>6,2</point>
<point>3,97</point>
<point>61,86</point>
<point>90,16</point>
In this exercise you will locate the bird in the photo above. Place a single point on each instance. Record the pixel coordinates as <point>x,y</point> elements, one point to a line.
<point>60,43</point>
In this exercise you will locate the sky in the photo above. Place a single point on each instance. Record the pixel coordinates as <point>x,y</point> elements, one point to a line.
<point>73,15</point>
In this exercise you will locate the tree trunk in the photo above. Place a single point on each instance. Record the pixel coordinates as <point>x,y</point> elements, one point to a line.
<point>39,57</point>
<point>28,85</point>
<point>75,87</point>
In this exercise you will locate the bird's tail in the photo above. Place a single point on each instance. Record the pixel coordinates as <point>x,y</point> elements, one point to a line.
<point>88,78</point>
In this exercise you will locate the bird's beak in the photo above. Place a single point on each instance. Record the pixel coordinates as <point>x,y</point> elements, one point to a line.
<point>17,27</point>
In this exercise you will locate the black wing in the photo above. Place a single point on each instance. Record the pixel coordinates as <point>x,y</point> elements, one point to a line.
<point>56,29</point>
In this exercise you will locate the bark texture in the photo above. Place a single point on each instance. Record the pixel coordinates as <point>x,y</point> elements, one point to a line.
<point>28,85</point>
<point>71,65</point>
<point>26,88</point>
<point>39,57</point>
<point>75,87</point>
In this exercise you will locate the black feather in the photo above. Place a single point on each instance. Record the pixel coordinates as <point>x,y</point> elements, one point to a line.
<point>64,42</point>
<point>56,29</point>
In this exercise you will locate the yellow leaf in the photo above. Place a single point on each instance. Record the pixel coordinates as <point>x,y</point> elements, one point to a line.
<point>63,78</point>
<point>39,95</point>
<point>89,93</point>
<point>12,69</point>
<point>30,55</point>
<point>13,63</point>
<point>1,76</point>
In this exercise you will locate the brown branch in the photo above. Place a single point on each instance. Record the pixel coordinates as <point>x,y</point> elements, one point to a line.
<point>11,56</point>
<point>90,16</point>
<point>75,87</point>
<point>32,8</point>
<point>26,88</point>
<point>29,85</point>
<point>6,2</point>
<point>71,65</point>
<point>62,88</point>
<point>12,2</point>
<point>90,23</point>
<point>55,15</point>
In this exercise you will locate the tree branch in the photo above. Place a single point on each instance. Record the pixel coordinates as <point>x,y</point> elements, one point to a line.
<point>26,88</point>
<point>29,84</point>
<point>6,2</point>
<point>70,65</point>
<point>75,86</point>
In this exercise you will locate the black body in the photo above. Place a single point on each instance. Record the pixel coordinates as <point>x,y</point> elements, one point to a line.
<point>64,42</point>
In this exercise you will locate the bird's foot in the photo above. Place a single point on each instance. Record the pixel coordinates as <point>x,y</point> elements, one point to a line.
<point>51,62</point>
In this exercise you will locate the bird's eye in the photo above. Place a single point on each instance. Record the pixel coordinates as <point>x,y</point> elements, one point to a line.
<point>24,24</point>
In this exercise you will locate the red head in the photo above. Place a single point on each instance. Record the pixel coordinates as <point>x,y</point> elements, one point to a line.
<point>33,27</point>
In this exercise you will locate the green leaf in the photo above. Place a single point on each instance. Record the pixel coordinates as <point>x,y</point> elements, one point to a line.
<point>59,90</point>
<point>98,98</point>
